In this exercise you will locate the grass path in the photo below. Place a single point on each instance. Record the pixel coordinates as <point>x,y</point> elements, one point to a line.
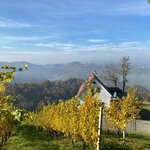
<point>31,139</point>
<point>25,139</point>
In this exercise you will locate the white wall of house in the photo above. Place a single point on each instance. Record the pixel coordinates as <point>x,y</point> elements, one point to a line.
<point>104,95</point>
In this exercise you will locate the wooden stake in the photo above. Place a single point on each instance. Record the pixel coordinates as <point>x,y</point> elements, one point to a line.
<point>100,126</point>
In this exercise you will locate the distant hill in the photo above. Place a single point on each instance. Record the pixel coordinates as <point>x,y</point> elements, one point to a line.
<point>139,75</point>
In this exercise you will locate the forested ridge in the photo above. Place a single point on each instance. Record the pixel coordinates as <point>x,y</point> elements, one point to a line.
<point>33,95</point>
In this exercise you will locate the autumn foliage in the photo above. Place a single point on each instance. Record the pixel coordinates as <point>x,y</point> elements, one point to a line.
<point>122,111</point>
<point>9,115</point>
<point>73,119</point>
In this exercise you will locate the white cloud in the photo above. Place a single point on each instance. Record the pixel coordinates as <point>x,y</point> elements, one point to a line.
<point>9,23</point>
<point>23,38</point>
<point>43,53</point>
<point>44,45</point>
<point>95,47</point>
<point>129,44</point>
<point>7,47</point>
<point>58,47</point>
<point>133,7</point>
<point>97,40</point>
<point>56,44</point>
<point>63,51</point>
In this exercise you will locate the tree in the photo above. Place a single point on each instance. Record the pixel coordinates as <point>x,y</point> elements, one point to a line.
<point>30,95</point>
<point>112,73</point>
<point>130,108</point>
<point>9,114</point>
<point>125,68</point>
<point>115,73</point>
<point>112,115</point>
<point>123,111</point>
<point>88,124</point>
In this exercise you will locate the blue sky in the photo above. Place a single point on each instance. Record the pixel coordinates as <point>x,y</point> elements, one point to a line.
<point>61,31</point>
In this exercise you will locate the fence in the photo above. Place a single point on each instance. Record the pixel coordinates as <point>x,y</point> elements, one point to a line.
<point>139,125</point>
<point>136,125</point>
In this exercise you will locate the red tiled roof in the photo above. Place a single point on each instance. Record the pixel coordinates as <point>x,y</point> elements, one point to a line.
<point>83,86</point>
<point>90,77</point>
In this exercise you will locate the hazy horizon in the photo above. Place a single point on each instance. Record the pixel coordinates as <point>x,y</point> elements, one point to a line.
<point>71,62</point>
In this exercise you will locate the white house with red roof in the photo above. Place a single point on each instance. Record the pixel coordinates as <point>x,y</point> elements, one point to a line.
<point>103,92</point>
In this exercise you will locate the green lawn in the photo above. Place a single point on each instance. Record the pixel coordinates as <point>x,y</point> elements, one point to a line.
<point>134,141</point>
<point>31,139</point>
<point>146,106</point>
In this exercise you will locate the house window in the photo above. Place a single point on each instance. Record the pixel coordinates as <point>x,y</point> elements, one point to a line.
<point>98,90</point>
<point>94,82</point>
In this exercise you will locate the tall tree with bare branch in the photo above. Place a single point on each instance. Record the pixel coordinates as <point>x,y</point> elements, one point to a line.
<point>112,73</point>
<point>125,68</point>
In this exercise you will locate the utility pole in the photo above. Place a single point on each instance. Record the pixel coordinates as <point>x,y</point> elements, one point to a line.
<point>100,120</point>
